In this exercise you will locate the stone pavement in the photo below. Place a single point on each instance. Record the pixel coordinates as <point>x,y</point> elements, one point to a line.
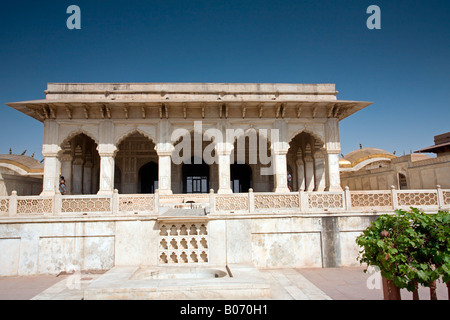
<point>286,284</point>
<point>351,283</point>
<point>25,287</point>
<point>290,284</point>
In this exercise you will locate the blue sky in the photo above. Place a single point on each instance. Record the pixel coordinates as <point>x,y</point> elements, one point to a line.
<point>403,68</point>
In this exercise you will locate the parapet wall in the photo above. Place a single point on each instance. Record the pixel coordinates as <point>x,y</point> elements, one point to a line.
<point>190,91</point>
<point>47,235</point>
<point>429,200</point>
<point>52,245</point>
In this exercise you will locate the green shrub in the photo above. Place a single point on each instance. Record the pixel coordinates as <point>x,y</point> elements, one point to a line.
<point>408,247</point>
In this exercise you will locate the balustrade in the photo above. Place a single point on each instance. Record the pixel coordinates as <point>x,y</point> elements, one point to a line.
<point>236,203</point>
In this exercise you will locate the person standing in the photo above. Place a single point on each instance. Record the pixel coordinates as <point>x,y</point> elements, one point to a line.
<point>289,181</point>
<point>62,185</point>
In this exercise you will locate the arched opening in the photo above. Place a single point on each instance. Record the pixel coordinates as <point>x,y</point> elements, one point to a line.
<point>402,182</point>
<point>148,177</point>
<point>251,163</point>
<point>195,176</point>
<point>134,157</point>
<point>192,170</point>
<point>306,163</point>
<point>241,177</point>
<point>80,165</point>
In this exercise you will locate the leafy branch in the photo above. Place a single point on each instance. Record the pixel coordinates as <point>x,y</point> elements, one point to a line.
<point>409,248</point>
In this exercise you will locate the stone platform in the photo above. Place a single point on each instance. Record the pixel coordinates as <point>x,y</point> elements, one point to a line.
<point>281,284</point>
<point>174,283</point>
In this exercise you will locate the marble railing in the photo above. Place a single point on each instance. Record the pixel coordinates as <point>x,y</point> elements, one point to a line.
<point>250,202</point>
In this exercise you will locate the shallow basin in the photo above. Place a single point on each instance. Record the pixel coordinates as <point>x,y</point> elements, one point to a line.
<point>177,273</point>
<point>179,282</point>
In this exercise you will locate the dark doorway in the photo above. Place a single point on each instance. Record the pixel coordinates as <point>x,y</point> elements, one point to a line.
<point>403,184</point>
<point>118,179</point>
<point>241,177</point>
<point>148,177</point>
<point>195,177</point>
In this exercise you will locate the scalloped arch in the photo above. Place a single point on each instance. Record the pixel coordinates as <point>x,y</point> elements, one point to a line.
<point>305,130</point>
<point>131,132</point>
<point>77,132</point>
<point>258,133</point>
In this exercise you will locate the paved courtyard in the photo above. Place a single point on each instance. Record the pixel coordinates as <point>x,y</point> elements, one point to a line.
<point>286,284</point>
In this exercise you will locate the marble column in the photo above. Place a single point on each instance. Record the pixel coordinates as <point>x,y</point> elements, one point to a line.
<point>309,172</point>
<point>279,149</point>
<point>334,179</point>
<point>333,148</point>
<point>164,149</point>
<point>51,174</point>
<point>164,172</point>
<point>52,166</point>
<point>106,174</point>
<point>320,172</point>
<point>300,174</point>
<point>107,161</point>
<point>280,170</point>
<point>223,152</point>
<point>107,151</point>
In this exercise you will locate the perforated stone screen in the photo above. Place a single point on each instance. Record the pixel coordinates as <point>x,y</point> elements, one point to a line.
<point>183,243</point>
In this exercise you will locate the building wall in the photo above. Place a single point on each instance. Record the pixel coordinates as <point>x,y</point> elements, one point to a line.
<point>370,180</point>
<point>427,174</point>
<point>12,181</point>
<point>49,246</point>
<point>421,174</point>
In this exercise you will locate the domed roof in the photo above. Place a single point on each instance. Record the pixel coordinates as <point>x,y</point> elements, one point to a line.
<point>344,162</point>
<point>362,154</point>
<point>29,164</point>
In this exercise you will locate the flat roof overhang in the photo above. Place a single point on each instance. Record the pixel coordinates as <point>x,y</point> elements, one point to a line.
<point>29,107</point>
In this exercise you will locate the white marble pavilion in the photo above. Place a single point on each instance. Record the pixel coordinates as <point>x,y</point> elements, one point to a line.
<point>107,136</point>
<point>190,174</point>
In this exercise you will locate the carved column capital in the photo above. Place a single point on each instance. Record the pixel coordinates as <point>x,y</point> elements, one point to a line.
<point>164,149</point>
<point>107,150</point>
<point>224,148</point>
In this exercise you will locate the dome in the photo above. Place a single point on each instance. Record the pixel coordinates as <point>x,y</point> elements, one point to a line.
<point>344,162</point>
<point>364,156</point>
<point>26,163</point>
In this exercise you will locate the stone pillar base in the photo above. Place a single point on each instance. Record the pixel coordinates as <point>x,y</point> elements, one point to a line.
<point>165,192</point>
<point>225,191</point>
<point>334,189</point>
<point>48,193</point>
<point>281,189</point>
<point>105,193</point>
